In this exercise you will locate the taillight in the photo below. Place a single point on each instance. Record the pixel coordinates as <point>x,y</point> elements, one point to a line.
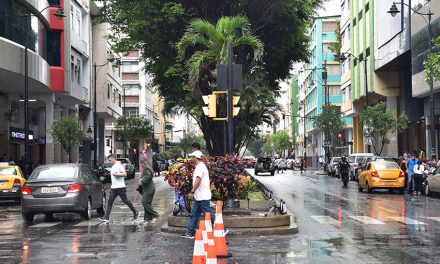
<point>75,188</point>
<point>17,182</point>
<point>401,174</point>
<point>26,190</point>
<point>375,174</point>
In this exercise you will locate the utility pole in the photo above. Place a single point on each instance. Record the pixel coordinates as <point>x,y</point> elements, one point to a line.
<point>230,104</point>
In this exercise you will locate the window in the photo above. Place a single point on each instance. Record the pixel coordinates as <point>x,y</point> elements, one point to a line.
<point>131,112</point>
<point>367,7</point>
<point>333,90</point>
<point>346,94</point>
<point>367,52</point>
<point>108,90</point>
<point>333,69</point>
<point>72,11</point>
<point>130,66</point>
<point>72,67</point>
<point>78,71</point>
<point>360,15</point>
<point>326,47</point>
<point>329,26</point>
<point>115,92</point>
<point>53,48</point>
<point>77,22</point>
<point>120,100</point>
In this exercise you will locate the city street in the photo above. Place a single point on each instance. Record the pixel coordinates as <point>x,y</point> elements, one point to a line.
<point>335,225</point>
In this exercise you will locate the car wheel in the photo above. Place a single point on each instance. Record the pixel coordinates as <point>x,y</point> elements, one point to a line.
<point>360,189</point>
<point>367,186</point>
<point>101,210</point>
<point>427,190</point>
<point>272,173</point>
<point>28,217</point>
<point>49,217</point>
<point>87,213</point>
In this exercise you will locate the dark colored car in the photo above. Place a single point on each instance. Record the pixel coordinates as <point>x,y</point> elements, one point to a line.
<point>129,167</point>
<point>61,188</point>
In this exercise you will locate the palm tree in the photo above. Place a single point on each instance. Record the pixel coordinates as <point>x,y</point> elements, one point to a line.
<point>210,44</point>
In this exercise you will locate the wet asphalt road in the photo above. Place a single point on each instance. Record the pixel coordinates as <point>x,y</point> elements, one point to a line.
<point>335,225</point>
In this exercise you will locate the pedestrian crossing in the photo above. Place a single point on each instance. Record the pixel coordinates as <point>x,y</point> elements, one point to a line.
<point>367,220</point>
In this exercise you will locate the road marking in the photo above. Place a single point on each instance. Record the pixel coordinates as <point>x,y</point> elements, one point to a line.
<point>88,223</point>
<point>325,219</point>
<point>45,225</point>
<point>366,220</point>
<point>406,220</point>
<point>435,218</point>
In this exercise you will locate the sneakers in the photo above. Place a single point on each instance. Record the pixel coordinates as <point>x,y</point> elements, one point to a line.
<point>105,220</point>
<point>136,215</point>
<point>226,231</point>
<point>187,236</point>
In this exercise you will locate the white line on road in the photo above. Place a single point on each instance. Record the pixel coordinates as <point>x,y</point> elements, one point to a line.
<point>88,223</point>
<point>406,220</point>
<point>45,225</point>
<point>366,220</point>
<point>325,219</point>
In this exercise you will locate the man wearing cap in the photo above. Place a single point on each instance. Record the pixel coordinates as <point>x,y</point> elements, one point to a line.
<point>200,192</point>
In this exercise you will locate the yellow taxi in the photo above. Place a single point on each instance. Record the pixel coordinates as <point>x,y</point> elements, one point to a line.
<point>381,174</point>
<point>11,181</point>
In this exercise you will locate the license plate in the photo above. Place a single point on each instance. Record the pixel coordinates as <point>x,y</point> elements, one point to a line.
<point>389,183</point>
<point>49,190</point>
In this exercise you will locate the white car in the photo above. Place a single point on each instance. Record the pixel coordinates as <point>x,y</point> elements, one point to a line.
<point>332,166</point>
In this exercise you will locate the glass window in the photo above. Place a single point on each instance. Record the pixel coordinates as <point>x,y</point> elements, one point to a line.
<point>333,69</point>
<point>386,166</point>
<point>72,67</point>
<point>131,112</point>
<point>120,100</point>
<point>78,71</point>
<point>8,171</point>
<point>54,2</point>
<point>326,47</point>
<point>329,26</point>
<point>53,48</point>
<point>108,91</point>
<point>130,66</point>
<point>51,173</point>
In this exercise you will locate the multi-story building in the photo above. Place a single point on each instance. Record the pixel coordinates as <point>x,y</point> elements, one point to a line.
<point>420,126</point>
<point>322,76</point>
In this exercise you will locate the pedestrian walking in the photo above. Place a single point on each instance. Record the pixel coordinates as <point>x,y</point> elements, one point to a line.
<point>302,165</point>
<point>321,161</point>
<point>419,171</point>
<point>200,192</point>
<point>118,188</point>
<point>148,190</point>
<point>411,163</point>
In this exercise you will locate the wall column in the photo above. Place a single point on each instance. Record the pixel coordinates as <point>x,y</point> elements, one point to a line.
<point>392,148</point>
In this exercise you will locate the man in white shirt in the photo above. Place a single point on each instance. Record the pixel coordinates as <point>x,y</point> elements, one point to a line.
<point>200,192</point>
<point>118,188</point>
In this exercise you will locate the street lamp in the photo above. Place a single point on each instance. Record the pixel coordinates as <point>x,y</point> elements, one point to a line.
<point>96,68</point>
<point>342,58</point>
<point>393,12</point>
<point>59,14</point>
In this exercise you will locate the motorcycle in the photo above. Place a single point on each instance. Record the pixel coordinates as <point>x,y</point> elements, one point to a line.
<point>345,177</point>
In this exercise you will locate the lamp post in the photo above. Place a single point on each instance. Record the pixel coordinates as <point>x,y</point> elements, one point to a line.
<point>394,11</point>
<point>59,14</point>
<point>342,58</point>
<point>96,68</point>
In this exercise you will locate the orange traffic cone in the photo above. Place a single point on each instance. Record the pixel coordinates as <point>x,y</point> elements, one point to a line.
<point>219,233</point>
<point>199,255</point>
<point>202,227</point>
<point>209,232</point>
<point>211,256</point>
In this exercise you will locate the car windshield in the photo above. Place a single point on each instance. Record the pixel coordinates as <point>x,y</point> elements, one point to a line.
<point>386,166</point>
<point>54,173</point>
<point>264,159</point>
<point>8,171</point>
<point>360,158</point>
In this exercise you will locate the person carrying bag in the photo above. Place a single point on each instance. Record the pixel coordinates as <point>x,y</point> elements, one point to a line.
<point>146,187</point>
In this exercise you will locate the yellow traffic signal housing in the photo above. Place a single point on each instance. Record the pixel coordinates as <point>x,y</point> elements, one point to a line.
<point>236,109</point>
<point>211,101</point>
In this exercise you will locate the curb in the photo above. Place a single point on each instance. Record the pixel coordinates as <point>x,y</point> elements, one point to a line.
<point>236,232</point>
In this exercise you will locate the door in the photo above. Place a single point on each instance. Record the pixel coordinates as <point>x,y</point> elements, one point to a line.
<point>95,187</point>
<point>434,181</point>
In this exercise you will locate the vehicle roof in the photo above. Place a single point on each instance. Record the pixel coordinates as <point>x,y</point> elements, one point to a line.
<point>9,166</point>
<point>62,165</point>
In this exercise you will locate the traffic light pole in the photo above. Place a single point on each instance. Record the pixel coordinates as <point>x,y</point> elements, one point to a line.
<point>230,124</point>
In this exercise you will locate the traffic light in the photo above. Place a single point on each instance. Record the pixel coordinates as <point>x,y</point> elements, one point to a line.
<point>284,115</point>
<point>236,109</point>
<point>211,101</point>
<point>107,142</point>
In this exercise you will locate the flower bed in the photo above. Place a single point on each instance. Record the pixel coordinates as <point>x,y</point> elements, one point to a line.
<point>227,175</point>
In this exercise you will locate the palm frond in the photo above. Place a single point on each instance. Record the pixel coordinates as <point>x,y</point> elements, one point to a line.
<point>252,41</point>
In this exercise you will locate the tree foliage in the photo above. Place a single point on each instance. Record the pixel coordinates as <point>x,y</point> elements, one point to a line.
<point>188,140</point>
<point>255,145</point>
<point>67,131</point>
<point>156,27</point>
<point>432,63</point>
<point>278,142</point>
<point>379,121</point>
<point>134,128</point>
<point>330,122</point>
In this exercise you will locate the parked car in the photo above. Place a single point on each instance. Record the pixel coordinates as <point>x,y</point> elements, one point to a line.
<point>354,161</point>
<point>382,174</point>
<point>129,167</point>
<point>290,164</point>
<point>432,183</point>
<point>332,166</point>
<point>60,188</point>
<point>249,161</point>
<point>363,164</point>
<point>280,164</point>
<point>265,164</point>
<point>11,181</point>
